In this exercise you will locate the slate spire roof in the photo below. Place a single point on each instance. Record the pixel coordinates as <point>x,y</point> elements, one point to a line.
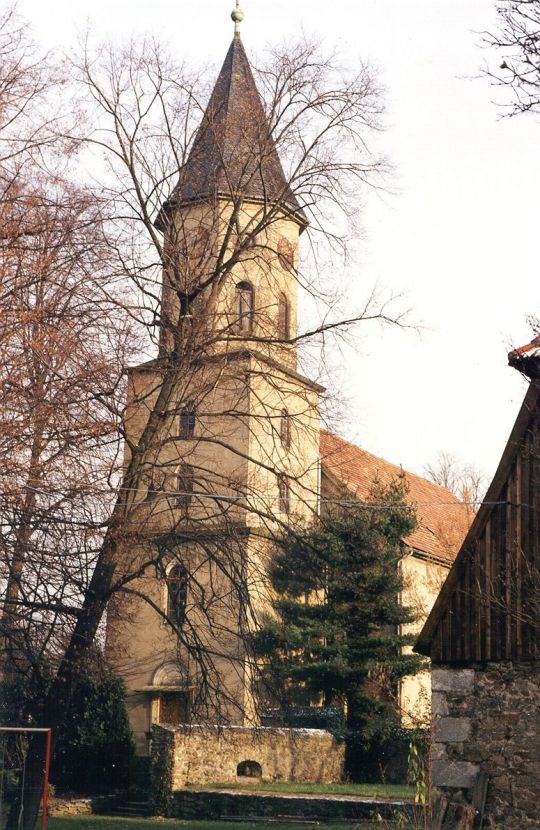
<point>233,152</point>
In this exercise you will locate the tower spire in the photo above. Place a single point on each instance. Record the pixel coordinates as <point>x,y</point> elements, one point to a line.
<point>233,151</point>
<point>237,15</point>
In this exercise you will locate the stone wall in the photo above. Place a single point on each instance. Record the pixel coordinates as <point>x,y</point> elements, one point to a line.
<point>198,755</point>
<point>487,719</point>
<point>226,805</point>
<point>74,806</point>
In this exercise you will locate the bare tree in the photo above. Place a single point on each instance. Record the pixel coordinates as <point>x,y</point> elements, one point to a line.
<point>517,39</point>
<point>465,480</point>
<point>163,242</point>
<point>62,349</point>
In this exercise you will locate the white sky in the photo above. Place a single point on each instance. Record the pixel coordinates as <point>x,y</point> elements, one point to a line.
<point>459,238</point>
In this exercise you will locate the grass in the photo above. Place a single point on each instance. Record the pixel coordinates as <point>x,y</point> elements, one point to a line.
<point>400,791</point>
<point>105,823</point>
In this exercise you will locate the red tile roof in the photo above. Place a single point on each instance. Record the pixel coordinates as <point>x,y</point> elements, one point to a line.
<point>442,519</point>
<point>531,348</point>
<point>527,359</point>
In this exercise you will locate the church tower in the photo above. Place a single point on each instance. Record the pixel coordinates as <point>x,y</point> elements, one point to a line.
<point>235,457</point>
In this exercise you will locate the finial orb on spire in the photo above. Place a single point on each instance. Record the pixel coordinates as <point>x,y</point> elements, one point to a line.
<point>237,15</point>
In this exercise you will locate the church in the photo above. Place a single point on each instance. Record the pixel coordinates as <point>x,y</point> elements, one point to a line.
<point>239,452</point>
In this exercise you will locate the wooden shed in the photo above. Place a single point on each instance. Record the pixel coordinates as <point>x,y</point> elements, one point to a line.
<point>483,635</point>
<point>489,605</point>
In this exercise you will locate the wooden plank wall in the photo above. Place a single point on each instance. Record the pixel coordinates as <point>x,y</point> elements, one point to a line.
<point>494,611</point>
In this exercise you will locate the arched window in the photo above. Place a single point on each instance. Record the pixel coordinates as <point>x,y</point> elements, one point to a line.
<point>285,428</point>
<point>245,307</point>
<point>283,317</point>
<point>284,493</point>
<point>184,486</point>
<point>187,420</point>
<point>177,591</point>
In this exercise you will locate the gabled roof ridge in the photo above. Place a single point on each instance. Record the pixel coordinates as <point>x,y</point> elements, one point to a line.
<point>398,467</point>
<point>442,518</point>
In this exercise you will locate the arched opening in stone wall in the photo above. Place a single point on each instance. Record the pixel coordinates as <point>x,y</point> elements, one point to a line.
<point>249,769</point>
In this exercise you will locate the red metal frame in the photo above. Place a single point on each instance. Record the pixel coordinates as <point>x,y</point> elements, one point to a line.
<point>46,771</point>
<point>45,797</point>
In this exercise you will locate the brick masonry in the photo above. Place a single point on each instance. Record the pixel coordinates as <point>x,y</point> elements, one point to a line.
<point>487,719</point>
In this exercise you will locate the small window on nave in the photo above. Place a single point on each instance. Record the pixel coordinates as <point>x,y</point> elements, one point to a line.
<point>245,307</point>
<point>283,321</point>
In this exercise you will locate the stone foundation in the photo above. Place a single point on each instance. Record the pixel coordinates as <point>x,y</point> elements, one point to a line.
<point>74,806</point>
<point>69,806</point>
<point>198,755</point>
<point>226,805</point>
<point>487,719</point>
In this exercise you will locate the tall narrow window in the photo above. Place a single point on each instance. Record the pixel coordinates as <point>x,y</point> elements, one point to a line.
<point>245,307</point>
<point>185,305</point>
<point>285,428</point>
<point>184,487</point>
<point>177,592</point>
<point>283,317</point>
<point>284,493</point>
<point>155,480</point>
<point>187,419</point>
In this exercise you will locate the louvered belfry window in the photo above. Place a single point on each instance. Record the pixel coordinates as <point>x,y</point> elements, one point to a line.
<point>245,306</point>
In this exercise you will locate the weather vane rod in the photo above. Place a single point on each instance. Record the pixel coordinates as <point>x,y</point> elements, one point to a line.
<point>237,15</point>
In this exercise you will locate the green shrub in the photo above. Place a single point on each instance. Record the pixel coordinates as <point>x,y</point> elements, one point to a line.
<point>95,746</point>
<point>383,759</point>
<point>330,718</point>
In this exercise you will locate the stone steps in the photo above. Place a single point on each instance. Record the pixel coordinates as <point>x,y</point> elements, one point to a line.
<point>132,809</point>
